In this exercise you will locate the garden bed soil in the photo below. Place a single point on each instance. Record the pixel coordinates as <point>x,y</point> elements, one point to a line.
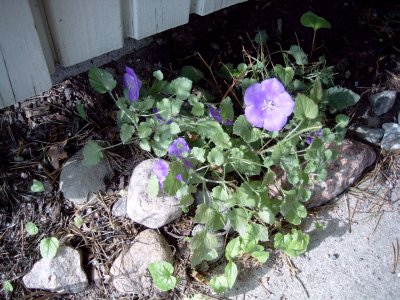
<point>39,134</point>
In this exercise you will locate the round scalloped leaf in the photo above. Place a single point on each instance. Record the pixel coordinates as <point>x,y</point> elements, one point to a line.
<point>340,98</point>
<point>49,247</point>
<point>309,19</point>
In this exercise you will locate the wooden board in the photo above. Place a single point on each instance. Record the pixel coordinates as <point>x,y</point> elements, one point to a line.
<point>143,18</point>
<point>83,29</point>
<point>205,7</point>
<point>23,68</point>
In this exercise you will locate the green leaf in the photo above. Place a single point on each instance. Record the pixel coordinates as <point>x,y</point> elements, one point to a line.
<point>305,108</point>
<point>162,275</point>
<point>261,38</point>
<point>220,193</point>
<point>174,128</point>
<point>309,19</point>
<point>169,108</point>
<point>219,283</point>
<point>215,156</point>
<point>81,110</point>
<point>101,81</point>
<point>233,248</point>
<point>192,73</point>
<point>239,219</point>
<point>144,144</point>
<point>182,87</point>
<point>31,228</point>
<point>49,247</point>
<point>92,153</point>
<point>231,272</point>
<point>245,161</point>
<point>342,120</point>
<point>340,98</point>
<point>78,221</point>
<point>316,92</point>
<point>209,216</point>
<point>286,75</point>
<point>299,55</point>
<point>226,107</point>
<point>213,130</point>
<point>197,109</point>
<point>243,128</point>
<point>126,133</point>
<point>37,186</point>
<point>291,209</point>
<point>7,286</point>
<point>153,186</point>
<point>261,256</point>
<point>158,75</point>
<point>171,185</point>
<point>144,130</point>
<point>198,154</point>
<point>202,247</point>
<point>266,215</point>
<point>293,244</point>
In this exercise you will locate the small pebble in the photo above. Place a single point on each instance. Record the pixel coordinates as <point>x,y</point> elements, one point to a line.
<point>335,256</point>
<point>24,175</point>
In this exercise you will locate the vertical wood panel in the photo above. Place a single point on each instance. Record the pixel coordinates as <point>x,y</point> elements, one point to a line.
<point>205,7</point>
<point>83,29</point>
<point>39,17</point>
<point>23,68</point>
<point>144,18</point>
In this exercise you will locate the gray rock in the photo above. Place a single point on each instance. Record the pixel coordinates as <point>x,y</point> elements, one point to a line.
<point>391,138</point>
<point>129,270</point>
<point>61,274</point>
<point>372,135</point>
<point>354,158</point>
<point>382,102</point>
<point>119,208</point>
<point>78,182</point>
<point>142,209</point>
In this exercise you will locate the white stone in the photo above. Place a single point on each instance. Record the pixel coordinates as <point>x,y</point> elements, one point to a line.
<point>391,138</point>
<point>142,209</point>
<point>372,135</point>
<point>61,274</point>
<point>119,208</point>
<point>129,270</point>
<point>382,102</point>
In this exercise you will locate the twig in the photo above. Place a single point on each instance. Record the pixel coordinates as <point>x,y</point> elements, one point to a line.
<point>396,249</point>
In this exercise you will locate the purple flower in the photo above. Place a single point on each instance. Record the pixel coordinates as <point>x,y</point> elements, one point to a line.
<point>268,105</point>
<point>132,83</point>
<point>161,170</point>
<point>310,137</point>
<point>216,115</point>
<point>179,148</point>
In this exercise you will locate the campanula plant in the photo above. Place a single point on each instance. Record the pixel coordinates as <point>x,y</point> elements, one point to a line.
<point>256,160</point>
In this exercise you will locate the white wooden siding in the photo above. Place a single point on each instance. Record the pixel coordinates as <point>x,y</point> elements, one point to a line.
<point>23,68</point>
<point>83,29</point>
<point>205,7</point>
<point>147,17</point>
<point>36,34</point>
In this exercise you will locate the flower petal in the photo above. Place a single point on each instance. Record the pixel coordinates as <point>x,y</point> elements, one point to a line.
<point>254,115</point>
<point>272,88</point>
<point>285,103</point>
<point>274,120</point>
<point>254,95</point>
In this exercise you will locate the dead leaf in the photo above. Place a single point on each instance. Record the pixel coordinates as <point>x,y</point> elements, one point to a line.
<point>56,153</point>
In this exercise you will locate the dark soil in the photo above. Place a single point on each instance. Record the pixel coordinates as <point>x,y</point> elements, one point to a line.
<point>38,135</point>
